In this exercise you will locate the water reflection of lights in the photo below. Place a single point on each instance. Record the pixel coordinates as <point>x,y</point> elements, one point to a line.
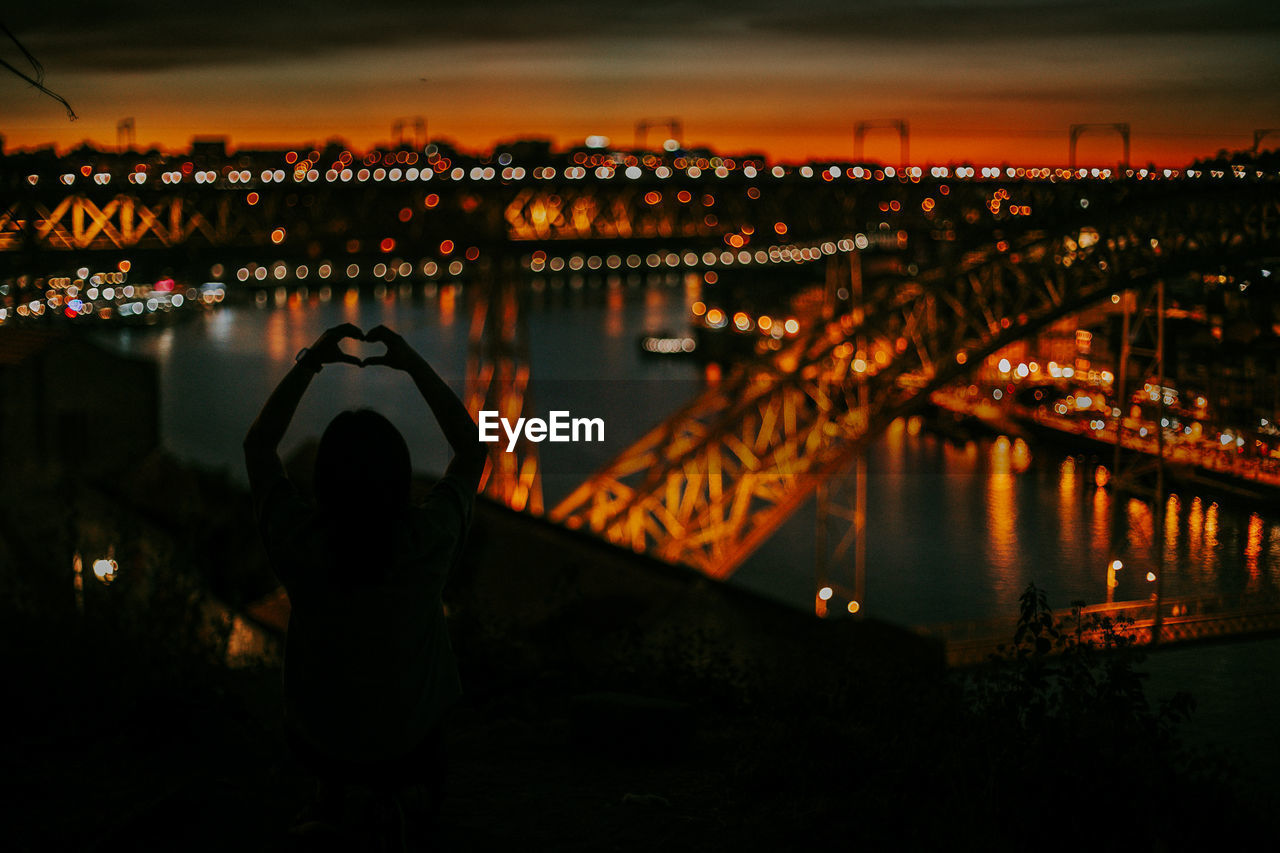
<point>654,303</point>
<point>277,336</point>
<point>1068,507</point>
<point>1172,508</point>
<point>1067,476</point>
<point>448,305</point>
<point>614,302</point>
<point>661,345</point>
<point>1195,530</point>
<point>1253,547</point>
<point>1002,515</point>
<point>1021,457</point>
<point>1140,528</point>
<point>1101,527</point>
<point>1210,560</point>
<point>103,296</point>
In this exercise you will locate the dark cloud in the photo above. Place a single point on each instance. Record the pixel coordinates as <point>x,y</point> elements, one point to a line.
<point>787,72</point>
<point>1008,20</point>
<point>152,36</point>
<point>158,36</point>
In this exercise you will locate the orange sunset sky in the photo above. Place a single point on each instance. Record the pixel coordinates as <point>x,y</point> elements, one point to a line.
<point>992,81</point>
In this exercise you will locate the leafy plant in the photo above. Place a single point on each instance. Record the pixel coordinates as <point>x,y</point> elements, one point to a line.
<point>1074,680</point>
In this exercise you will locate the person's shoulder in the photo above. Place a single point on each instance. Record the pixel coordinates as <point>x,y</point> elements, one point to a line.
<point>450,499</point>
<point>288,525</point>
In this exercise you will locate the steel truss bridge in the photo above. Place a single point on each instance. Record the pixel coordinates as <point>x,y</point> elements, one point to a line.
<point>979,264</point>
<point>709,485</point>
<point>193,225</point>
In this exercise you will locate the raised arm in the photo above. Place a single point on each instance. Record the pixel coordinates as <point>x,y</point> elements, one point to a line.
<point>469,453</point>
<point>260,444</point>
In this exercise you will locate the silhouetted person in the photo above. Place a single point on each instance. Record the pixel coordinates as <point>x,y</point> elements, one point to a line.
<point>368,669</point>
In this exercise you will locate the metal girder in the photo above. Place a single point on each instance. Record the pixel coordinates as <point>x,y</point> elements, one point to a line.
<point>241,219</point>
<point>78,222</point>
<point>244,216</point>
<point>584,213</point>
<point>841,527</point>
<point>709,485</point>
<point>13,224</point>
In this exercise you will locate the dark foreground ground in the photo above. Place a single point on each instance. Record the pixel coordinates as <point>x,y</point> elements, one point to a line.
<point>187,756</point>
<point>611,705</point>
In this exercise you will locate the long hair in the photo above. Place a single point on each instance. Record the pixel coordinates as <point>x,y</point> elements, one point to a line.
<point>362,481</point>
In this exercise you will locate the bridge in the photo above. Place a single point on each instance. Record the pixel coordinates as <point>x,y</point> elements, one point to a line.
<point>975,262</point>
<point>706,487</point>
<point>205,219</point>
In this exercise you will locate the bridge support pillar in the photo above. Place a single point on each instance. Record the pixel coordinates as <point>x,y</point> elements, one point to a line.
<point>1141,358</point>
<point>498,380</point>
<point>1077,130</point>
<point>842,502</point>
<point>843,291</point>
<point>900,125</point>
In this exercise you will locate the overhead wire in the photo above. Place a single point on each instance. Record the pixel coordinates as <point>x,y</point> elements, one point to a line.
<point>38,80</point>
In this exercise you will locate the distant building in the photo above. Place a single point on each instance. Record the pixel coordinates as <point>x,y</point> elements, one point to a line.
<point>67,404</point>
<point>211,149</point>
<point>526,150</point>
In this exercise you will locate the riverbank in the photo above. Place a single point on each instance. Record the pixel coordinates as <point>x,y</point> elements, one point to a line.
<point>1218,480</point>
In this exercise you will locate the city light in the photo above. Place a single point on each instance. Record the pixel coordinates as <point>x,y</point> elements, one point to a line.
<point>105,569</point>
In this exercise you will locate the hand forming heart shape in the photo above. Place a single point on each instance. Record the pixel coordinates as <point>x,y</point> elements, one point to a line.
<point>363,351</point>
<point>328,348</point>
